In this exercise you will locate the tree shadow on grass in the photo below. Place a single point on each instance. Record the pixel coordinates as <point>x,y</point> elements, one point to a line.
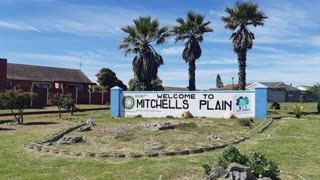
<point>39,123</point>
<point>6,129</point>
<point>311,113</point>
<point>7,121</point>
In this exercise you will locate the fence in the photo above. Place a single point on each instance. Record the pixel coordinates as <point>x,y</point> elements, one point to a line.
<point>43,95</point>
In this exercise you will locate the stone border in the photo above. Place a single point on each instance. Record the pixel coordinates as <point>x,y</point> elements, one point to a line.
<point>265,126</point>
<point>45,148</point>
<point>59,135</point>
<point>41,147</point>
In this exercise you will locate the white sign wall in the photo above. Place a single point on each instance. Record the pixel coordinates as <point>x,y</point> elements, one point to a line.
<point>200,104</point>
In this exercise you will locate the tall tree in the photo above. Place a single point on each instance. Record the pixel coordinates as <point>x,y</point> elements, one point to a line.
<point>191,30</point>
<point>219,82</point>
<point>138,41</point>
<point>108,79</point>
<point>242,15</point>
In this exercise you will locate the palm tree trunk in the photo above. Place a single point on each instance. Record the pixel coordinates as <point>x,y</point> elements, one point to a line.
<point>192,75</point>
<point>147,86</point>
<point>242,58</point>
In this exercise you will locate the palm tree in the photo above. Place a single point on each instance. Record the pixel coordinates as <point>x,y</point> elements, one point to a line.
<point>239,18</point>
<point>139,39</point>
<point>191,30</point>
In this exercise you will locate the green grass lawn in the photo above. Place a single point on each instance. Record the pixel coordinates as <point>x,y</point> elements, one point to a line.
<point>293,143</point>
<point>53,108</point>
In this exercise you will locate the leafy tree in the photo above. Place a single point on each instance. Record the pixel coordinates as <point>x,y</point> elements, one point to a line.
<point>108,79</point>
<point>135,85</point>
<point>191,30</point>
<point>219,82</point>
<point>238,19</point>
<point>16,100</point>
<point>98,88</point>
<point>138,41</point>
<point>57,100</point>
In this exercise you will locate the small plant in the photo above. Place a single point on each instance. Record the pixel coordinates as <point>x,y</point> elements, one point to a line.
<point>207,168</point>
<point>230,155</point>
<point>261,166</point>
<point>298,110</point>
<point>244,122</point>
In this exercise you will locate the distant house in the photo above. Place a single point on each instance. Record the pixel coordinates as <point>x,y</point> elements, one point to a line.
<point>277,91</point>
<point>303,87</point>
<point>30,76</point>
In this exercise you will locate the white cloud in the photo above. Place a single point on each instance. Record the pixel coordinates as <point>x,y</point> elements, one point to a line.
<point>172,51</point>
<point>18,26</point>
<point>219,61</point>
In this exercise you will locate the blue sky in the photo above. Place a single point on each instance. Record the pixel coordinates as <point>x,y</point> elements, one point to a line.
<point>63,33</point>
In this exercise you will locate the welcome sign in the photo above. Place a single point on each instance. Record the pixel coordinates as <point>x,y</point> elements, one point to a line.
<point>199,104</point>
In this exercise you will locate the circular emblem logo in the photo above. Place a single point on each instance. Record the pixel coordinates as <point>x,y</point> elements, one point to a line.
<point>128,102</point>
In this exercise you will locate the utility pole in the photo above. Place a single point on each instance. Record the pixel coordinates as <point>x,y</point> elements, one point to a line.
<point>232,83</point>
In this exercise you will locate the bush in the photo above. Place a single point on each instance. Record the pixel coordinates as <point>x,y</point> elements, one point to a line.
<point>244,122</point>
<point>257,162</point>
<point>230,155</point>
<point>260,166</point>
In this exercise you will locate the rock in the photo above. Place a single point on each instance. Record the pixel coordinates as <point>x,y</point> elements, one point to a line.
<point>216,173</point>
<point>134,116</point>
<point>90,122</point>
<point>84,128</point>
<point>70,140</point>
<point>213,137</point>
<point>229,115</point>
<point>240,172</point>
<point>48,144</point>
<point>153,147</point>
<point>162,126</point>
<point>185,115</point>
<point>275,105</point>
<point>264,178</point>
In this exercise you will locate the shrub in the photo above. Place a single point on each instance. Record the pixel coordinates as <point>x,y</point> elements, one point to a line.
<point>244,122</point>
<point>258,163</point>
<point>260,166</point>
<point>230,155</point>
<point>298,110</point>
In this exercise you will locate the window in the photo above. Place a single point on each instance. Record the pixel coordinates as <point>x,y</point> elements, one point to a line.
<point>41,85</point>
<point>74,86</point>
<point>7,84</point>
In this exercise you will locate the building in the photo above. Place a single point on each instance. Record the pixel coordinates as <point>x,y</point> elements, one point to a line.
<point>303,87</point>
<point>45,81</point>
<point>277,91</point>
<point>29,76</point>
